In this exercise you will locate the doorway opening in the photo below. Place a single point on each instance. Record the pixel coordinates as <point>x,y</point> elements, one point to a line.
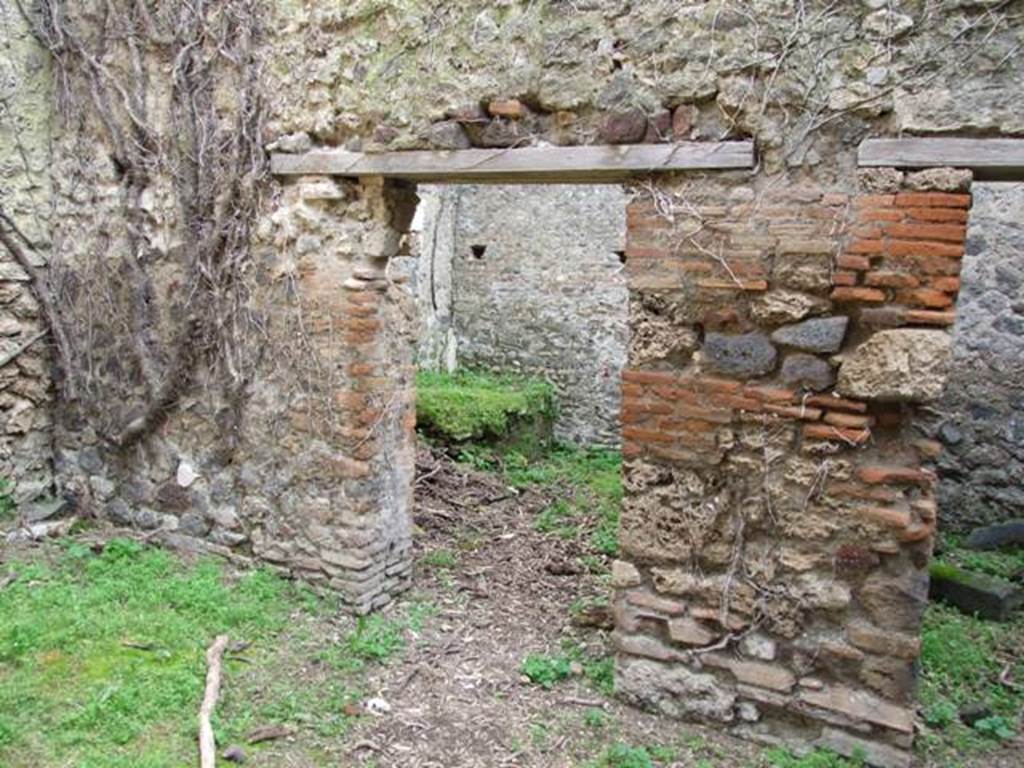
<point>517,304</point>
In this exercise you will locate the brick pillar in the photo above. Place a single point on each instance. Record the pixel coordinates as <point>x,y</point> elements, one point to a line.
<point>342,511</point>
<point>377,405</point>
<point>779,507</point>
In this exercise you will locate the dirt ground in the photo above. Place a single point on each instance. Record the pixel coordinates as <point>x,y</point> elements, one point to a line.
<point>456,697</point>
<point>490,590</point>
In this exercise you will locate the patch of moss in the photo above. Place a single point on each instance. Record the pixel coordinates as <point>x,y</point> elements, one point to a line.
<point>472,406</point>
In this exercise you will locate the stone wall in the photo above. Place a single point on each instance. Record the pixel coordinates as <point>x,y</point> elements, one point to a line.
<point>780,510</point>
<point>26,444</point>
<point>530,279</point>
<point>980,418</point>
<point>796,619</point>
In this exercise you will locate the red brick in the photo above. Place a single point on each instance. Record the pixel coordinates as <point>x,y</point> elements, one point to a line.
<point>732,285</point>
<point>926,265</point>
<point>850,420</point>
<point>932,200</point>
<point>891,280</point>
<point>686,425</point>
<point>916,532</point>
<point>646,406</point>
<point>512,108</point>
<point>880,214</point>
<point>844,278</point>
<point>866,231</point>
<point>948,284</point>
<point>826,401</point>
<point>358,370</point>
<point>735,402</point>
<point>872,295</point>
<point>631,390</point>
<point>645,252</point>
<point>649,377</point>
<point>770,394</point>
<point>632,416</point>
<point>838,434</point>
<point>929,317</point>
<point>646,435</point>
<point>878,474</point>
<point>713,384</point>
<point>858,491</point>
<point>801,412</point>
<point>953,233</point>
<point>888,516</point>
<point>925,297</point>
<point>835,198</point>
<point>873,201</point>
<point>866,246</point>
<point>924,248</point>
<point>631,450</point>
<point>938,214</point>
<point>636,223</point>
<point>674,393</point>
<point>360,324</point>
<point>705,414</point>
<point>849,261</point>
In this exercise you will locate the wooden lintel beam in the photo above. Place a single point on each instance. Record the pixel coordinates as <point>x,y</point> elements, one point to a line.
<point>529,164</point>
<point>988,158</point>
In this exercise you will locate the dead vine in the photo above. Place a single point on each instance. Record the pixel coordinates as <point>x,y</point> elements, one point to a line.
<point>153,288</point>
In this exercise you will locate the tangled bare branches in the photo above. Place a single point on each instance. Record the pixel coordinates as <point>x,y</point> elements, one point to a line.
<point>168,92</point>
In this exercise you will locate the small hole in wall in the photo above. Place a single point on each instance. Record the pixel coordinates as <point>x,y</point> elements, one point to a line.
<point>622,256</point>
<point>478,251</point>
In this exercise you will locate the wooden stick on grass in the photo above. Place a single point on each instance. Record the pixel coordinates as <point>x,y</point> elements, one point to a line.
<point>207,744</point>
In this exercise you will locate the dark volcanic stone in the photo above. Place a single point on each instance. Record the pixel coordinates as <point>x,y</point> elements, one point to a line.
<point>744,356</point>
<point>824,334</point>
<point>623,127</point>
<point>448,135</point>
<point>501,133</point>
<point>975,593</point>
<point>1006,534</point>
<point>807,371</point>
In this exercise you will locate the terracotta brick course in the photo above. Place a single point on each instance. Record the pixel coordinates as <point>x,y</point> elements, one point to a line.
<point>923,248</point>
<point>872,295</point>
<point>931,199</point>
<point>946,232</point>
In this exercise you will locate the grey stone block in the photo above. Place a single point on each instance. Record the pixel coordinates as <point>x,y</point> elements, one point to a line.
<point>745,356</point>
<point>823,335</point>
<point>975,593</point>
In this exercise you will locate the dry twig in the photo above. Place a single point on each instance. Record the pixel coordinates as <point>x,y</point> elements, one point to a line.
<point>207,743</point>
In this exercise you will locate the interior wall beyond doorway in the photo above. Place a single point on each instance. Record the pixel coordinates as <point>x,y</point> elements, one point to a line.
<point>527,279</point>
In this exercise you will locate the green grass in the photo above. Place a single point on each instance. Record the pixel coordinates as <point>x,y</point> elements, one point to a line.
<point>440,559</point>
<point>468,405</point>
<point>73,692</point>
<point>962,659</point>
<point>547,671</point>
<point>1003,564</point>
<point>589,482</point>
<point>781,758</point>
<point>621,755</point>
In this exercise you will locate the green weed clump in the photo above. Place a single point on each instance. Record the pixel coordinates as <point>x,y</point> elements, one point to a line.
<point>782,758</point>
<point>7,507</point>
<point>963,659</point>
<point>467,405</point>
